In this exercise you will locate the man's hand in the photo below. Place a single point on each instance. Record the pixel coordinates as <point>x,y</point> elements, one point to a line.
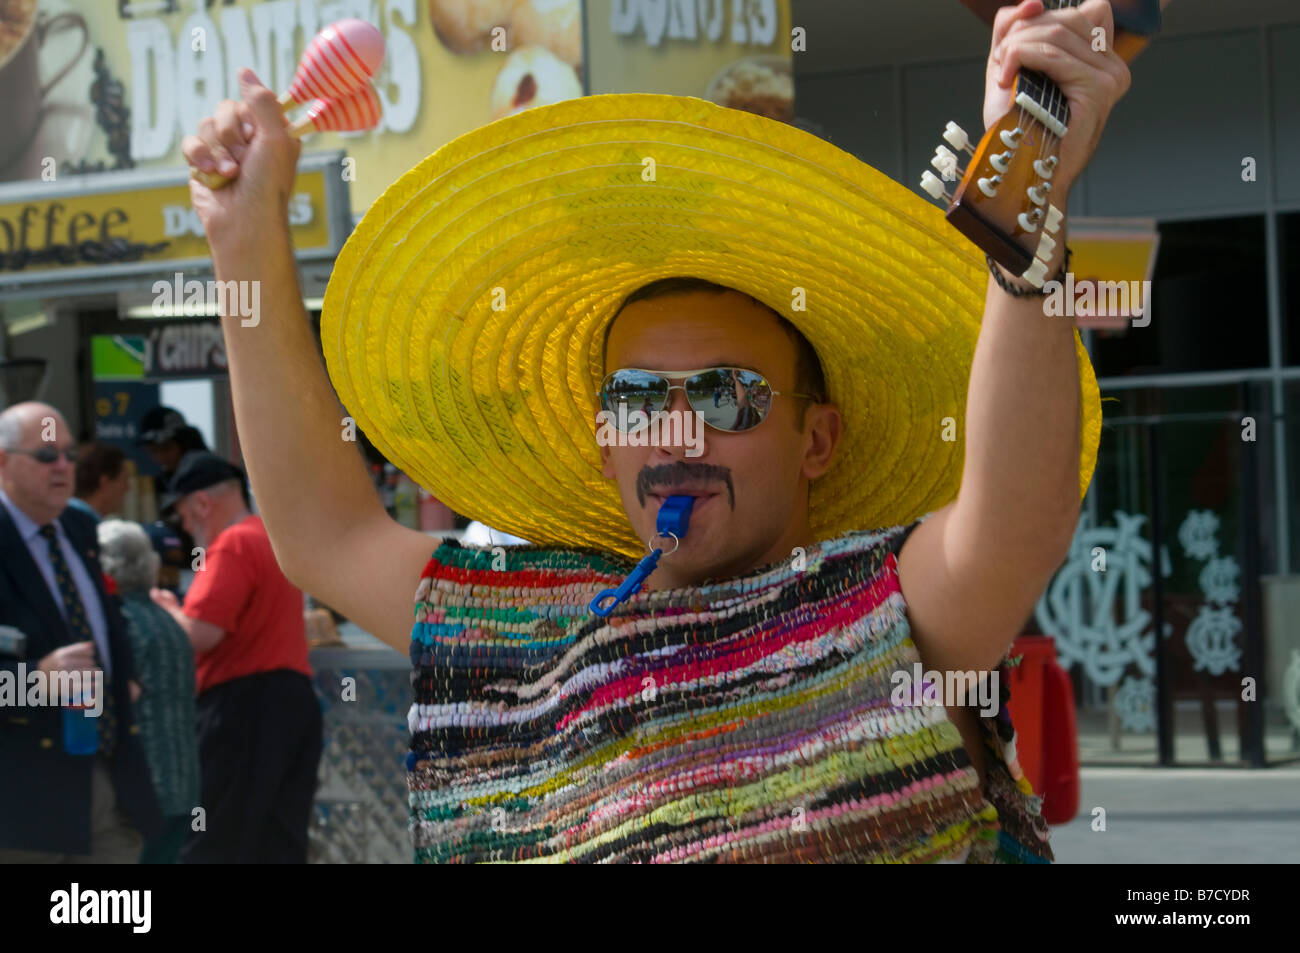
<point>78,657</point>
<point>165,598</point>
<point>1059,44</point>
<point>248,142</point>
<point>203,636</point>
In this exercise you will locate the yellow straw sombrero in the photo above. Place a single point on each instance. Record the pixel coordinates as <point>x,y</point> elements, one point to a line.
<point>463,323</point>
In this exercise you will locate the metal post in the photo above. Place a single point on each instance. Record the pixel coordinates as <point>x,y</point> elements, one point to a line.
<point>1164,708</point>
<point>1251,729</point>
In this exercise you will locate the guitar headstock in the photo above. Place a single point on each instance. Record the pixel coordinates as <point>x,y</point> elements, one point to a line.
<point>1002,202</point>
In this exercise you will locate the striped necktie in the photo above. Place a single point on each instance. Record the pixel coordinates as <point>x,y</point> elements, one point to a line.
<point>81,630</point>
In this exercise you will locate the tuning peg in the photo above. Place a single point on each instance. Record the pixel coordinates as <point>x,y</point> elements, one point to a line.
<point>1011,137</point>
<point>1038,193</point>
<point>945,160</point>
<point>1045,167</point>
<point>956,137</point>
<point>1001,162</point>
<point>1030,222</point>
<point>934,185</point>
<point>1054,216</point>
<point>1046,247</point>
<point>1036,273</point>
<point>989,186</point>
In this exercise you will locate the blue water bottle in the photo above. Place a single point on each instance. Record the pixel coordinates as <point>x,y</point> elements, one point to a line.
<point>80,727</point>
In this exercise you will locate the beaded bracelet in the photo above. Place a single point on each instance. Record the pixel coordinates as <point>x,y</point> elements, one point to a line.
<point>1018,292</point>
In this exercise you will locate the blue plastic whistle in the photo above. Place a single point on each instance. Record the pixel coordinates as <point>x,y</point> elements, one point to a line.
<point>673,519</point>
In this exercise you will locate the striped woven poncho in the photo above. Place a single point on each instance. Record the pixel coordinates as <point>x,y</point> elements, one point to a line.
<point>744,720</point>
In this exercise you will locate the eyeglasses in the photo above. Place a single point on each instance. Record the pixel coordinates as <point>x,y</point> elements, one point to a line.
<point>731,399</point>
<point>48,455</point>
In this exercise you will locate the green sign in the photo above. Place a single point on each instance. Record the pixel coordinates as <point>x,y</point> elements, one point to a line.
<point>117,357</point>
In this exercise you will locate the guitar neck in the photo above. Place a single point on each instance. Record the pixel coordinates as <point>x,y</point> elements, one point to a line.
<point>1041,97</point>
<point>1135,22</point>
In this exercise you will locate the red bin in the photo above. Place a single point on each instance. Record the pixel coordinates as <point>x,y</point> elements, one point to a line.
<point>1047,739</point>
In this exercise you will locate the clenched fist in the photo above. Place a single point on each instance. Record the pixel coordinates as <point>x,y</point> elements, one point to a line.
<point>245,141</point>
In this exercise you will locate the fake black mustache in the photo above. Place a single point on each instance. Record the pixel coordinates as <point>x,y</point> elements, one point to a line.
<point>680,471</point>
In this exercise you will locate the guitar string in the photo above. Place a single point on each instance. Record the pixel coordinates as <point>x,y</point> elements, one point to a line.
<point>1056,107</point>
<point>1048,95</point>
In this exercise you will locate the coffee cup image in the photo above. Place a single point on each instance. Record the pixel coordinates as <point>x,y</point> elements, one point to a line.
<point>23,33</point>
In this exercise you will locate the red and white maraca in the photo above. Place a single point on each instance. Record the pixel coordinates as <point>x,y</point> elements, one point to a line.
<point>334,77</point>
<point>340,59</point>
<point>354,112</point>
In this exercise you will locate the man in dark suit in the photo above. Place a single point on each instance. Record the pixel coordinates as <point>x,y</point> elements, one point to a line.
<point>56,806</point>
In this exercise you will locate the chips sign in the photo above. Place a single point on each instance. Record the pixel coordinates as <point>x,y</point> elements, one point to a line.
<point>175,349</point>
<point>189,349</point>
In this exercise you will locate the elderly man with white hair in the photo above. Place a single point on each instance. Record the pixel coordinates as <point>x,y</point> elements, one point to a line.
<point>164,663</point>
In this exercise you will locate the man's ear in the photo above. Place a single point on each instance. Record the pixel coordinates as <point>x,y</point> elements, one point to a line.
<point>825,426</point>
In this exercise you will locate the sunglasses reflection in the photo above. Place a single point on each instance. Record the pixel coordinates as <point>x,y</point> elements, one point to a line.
<point>729,399</point>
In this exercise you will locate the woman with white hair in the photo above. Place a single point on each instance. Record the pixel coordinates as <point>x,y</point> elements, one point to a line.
<point>164,663</point>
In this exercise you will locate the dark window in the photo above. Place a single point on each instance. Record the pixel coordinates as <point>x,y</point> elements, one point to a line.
<point>1209,303</point>
<point>1288,228</point>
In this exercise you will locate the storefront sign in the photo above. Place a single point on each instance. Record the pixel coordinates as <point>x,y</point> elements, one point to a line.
<point>193,349</point>
<point>126,81</point>
<point>733,52</point>
<point>175,349</point>
<point>1112,264</point>
<point>166,64</point>
<point>127,225</point>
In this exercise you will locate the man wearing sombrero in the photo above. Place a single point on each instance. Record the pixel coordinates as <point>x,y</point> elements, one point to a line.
<point>743,704</point>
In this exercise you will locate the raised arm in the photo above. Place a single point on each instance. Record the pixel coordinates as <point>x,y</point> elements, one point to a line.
<point>329,530</point>
<point>973,571</point>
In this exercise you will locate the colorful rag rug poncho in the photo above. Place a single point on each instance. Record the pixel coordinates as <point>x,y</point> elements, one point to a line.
<point>743,720</point>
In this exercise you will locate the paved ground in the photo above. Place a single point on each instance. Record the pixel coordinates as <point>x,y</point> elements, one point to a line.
<point>1185,816</point>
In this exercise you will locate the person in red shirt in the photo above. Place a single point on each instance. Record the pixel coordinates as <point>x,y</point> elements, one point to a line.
<point>259,721</point>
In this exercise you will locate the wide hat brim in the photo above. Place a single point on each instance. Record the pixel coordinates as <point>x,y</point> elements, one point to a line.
<point>463,323</point>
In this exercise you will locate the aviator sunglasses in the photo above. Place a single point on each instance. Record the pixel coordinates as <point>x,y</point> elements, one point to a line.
<point>730,399</point>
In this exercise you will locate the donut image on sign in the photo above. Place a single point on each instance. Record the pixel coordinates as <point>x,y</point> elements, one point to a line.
<point>533,76</point>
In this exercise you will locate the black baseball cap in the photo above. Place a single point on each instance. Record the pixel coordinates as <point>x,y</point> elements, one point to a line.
<point>198,470</point>
<point>160,425</point>
<point>167,544</point>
